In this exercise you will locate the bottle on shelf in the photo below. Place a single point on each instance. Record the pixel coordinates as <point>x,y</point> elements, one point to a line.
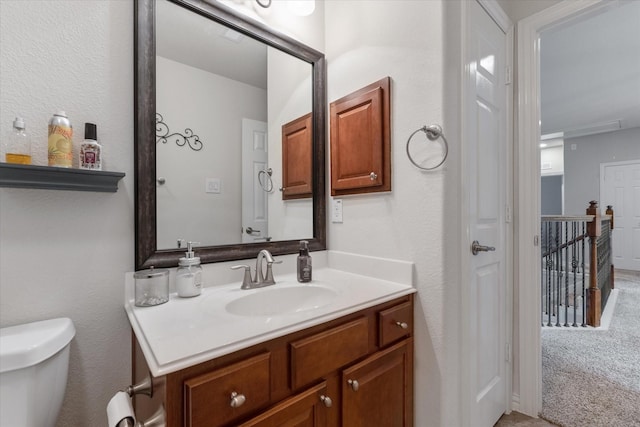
<point>18,149</point>
<point>90,151</point>
<point>60,141</point>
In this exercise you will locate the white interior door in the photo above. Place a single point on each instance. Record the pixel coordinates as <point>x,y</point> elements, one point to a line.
<point>254,197</point>
<point>485,133</point>
<point>620,188</point>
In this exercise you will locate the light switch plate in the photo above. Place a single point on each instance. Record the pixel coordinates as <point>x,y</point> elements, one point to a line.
<point>213,185</point>
<point>336,210</point>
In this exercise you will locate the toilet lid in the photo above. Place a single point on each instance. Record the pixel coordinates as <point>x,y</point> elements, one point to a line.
<point>31,343</point>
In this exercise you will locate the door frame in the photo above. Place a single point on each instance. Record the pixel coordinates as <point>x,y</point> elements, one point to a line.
<point>527,162</point>
<point>494,10</point>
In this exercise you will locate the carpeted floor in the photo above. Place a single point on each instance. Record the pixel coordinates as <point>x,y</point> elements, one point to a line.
<point>592,377</point>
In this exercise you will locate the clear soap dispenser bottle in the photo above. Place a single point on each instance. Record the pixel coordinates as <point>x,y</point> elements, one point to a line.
<point>304,263</point>
<point>189,274</point>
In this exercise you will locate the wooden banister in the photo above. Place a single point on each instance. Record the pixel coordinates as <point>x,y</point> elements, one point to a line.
<point>594,229</point>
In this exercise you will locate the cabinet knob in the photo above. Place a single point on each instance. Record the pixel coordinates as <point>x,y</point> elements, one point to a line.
<point>237,400</point>
<point>373,176</point>
<point>403,325</point>
<point>326,400</point>
<point>354,384</point>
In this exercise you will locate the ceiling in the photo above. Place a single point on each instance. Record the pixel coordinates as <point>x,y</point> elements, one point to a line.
<point>191,39</point>
<point>590,72</point>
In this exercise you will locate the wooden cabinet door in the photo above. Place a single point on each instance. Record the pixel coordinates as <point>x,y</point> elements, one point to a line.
<point>296,158</point>
<point>360,141</point>
<point>306,409</point>
<point>379,390</point>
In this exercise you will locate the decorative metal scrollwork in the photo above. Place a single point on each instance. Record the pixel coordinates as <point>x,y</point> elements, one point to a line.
<point>162,135</point>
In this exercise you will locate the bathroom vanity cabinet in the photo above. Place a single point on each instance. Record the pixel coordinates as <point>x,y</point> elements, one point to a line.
<point>356,370</point>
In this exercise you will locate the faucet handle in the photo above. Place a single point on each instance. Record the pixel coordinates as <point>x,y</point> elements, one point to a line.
<point>246,280</point>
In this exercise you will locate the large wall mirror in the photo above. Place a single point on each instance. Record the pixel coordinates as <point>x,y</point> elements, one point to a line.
<point>213,91</point>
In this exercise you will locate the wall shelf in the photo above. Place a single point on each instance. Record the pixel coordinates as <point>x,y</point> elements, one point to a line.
<point>52,178</point>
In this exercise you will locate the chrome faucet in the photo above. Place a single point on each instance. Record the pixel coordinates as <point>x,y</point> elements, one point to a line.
<point>259,279</point>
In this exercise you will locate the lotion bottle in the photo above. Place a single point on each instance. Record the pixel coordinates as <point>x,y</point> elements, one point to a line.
<point>189,274</point>
<point>304,263</point>
<point>90,151</point>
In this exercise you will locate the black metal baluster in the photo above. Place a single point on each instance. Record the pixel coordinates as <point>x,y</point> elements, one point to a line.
<point>574,264</point>
<point>542,226</point>
<point>584,300</point>
<point>549,263</point>
<point>558,278</point>
<point>566,274</point>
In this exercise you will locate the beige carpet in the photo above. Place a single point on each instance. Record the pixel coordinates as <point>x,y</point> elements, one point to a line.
<point>591,378</point>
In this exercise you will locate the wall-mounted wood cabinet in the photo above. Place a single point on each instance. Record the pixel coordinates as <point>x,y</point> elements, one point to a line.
<point>353,371</point>
<point>297,158</point>
<point>361,140</point>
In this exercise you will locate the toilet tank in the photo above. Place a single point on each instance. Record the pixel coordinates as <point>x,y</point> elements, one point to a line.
<point>34,362</point>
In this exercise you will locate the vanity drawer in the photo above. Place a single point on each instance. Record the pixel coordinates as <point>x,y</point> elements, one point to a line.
<point>315,356</point>
<point>209,397</point>
<point>395,323</point>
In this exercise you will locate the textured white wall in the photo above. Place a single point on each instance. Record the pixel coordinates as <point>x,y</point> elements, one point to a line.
<point>366,41</point>
<point>65,253</point>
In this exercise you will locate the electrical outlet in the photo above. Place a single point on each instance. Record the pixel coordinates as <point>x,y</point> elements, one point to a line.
<point>213,185</point>
<point>336,210</point>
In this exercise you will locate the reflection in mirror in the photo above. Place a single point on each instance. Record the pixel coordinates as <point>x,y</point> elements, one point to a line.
<point>234,93</point>
<point>213,91</point>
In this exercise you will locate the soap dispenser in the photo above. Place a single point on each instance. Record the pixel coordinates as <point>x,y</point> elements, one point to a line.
<point>189,274</point>
<point>304,263</point>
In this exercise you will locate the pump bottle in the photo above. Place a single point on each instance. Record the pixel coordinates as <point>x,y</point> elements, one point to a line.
<point>304,263</point>
<point>189,274</point>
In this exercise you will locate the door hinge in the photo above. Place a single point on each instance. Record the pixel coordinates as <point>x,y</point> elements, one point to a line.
<point>508,353</point>
<point>507,75</point>
<point>536,240</point>
<point>507,214</point>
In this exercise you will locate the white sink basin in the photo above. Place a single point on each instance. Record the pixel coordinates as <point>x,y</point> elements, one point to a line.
<point>273,300</point>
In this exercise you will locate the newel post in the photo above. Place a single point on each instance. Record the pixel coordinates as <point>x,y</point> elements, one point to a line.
<point>594,229</point>
<point>610,213</point>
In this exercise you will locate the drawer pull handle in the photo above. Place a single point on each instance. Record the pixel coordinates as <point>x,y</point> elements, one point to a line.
<point>403,325</point>
<point>237,400</point>
<point>354,384</point>
<point>373,176</point>
<point>326,400</point>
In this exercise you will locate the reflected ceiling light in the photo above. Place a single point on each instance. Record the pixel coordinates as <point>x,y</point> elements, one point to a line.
<point>543,145</point>
<point>302,7</point>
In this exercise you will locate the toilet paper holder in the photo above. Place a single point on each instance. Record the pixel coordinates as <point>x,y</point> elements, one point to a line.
<point>143,387</point>
<point>156,420</point>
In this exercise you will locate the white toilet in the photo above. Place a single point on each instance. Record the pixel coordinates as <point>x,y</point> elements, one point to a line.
<point>34,361</point>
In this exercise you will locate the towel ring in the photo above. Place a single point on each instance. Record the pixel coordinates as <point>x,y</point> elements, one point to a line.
<point>433,132</point>
<point>267,185</point>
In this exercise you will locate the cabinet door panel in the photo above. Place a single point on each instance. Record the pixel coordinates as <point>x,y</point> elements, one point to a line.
<point>296,158</point>
<point>302,410</point>
<point>378,391</point>
<point>360,141</point>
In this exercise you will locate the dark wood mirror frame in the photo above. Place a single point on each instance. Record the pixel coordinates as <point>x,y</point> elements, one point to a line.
<point>146,254</point>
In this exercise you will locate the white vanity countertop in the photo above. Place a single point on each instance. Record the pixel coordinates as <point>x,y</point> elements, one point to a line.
<point>186,331</point>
